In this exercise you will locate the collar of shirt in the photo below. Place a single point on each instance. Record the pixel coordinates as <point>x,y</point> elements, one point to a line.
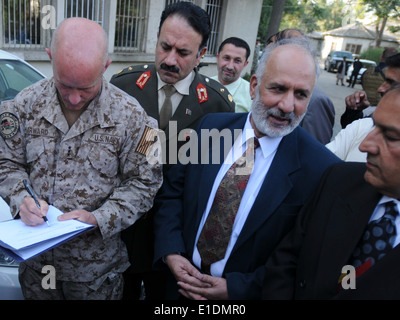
<point>182,88</point>
<point>232,87</point>
<point>380,210</point>
<point>268,145</point>
<point>381,204</point>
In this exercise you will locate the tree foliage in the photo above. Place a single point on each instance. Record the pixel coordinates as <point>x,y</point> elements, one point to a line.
<point>324,15</point>
<point>383,9</point>
<point>308,16</point>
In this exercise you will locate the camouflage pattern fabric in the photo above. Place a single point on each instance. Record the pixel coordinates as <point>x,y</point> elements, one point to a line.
<point>99,165</point>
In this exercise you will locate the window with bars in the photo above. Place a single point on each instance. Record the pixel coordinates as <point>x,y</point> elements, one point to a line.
<point>213,8</point>
<point>130,23</point>
<point>90,9</point>
<point>20,22</point>
<point>21,28</point>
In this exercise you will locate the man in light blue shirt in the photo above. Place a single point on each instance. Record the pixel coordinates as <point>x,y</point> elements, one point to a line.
<point>232,58</point>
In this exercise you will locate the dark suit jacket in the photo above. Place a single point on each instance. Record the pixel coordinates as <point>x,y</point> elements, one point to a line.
<point>294,173</point>
<point>309,261</point>
<point>139,238</point>
<point>320,116</point>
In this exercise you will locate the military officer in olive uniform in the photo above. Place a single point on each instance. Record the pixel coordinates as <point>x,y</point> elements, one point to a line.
<point>83,145</point>
<point>182,37</point>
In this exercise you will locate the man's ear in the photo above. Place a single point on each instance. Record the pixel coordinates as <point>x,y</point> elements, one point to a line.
<point>253,86</point>
<point>48,53</point>
<point>107,64</point>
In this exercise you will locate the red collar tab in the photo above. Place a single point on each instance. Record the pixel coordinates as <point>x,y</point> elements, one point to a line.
<point>141,82</point>
<point>202,93</point>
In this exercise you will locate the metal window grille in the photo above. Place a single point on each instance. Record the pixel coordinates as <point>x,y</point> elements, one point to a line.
<point>130,25</point>
<point>90,9</point>
<point>213,8</point>
<point>168,2</point>
<point>21,24</point>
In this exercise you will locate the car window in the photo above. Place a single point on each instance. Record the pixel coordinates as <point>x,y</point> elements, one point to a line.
<point>342,54</point>
<point>15,76</point>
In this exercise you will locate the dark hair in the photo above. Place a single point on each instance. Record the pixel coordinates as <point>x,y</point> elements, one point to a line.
<point>197,18</point>
<point>237,42</point>
<point>393,61</point>
<point>388,52</point>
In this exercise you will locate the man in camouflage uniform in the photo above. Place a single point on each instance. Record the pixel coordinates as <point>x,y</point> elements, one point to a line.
<point>183,33</point>
<point>82,144</point>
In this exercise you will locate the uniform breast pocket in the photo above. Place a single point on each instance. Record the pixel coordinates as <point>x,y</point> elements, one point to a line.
<point>103,158</point>
<point>34,150</point>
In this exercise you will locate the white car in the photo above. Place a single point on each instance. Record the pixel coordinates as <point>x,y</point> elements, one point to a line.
<point>366,64</point>
<point>15,75</point>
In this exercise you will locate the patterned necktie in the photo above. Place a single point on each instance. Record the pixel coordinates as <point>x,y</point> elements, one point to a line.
<point>166,109</point>
<point>378,238</point>
<point>217,230</point>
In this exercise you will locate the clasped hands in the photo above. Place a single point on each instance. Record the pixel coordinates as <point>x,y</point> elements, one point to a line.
<point>31,215</point>
<point>194,284</point>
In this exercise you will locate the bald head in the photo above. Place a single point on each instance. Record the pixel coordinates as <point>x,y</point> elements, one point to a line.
<point>80,40</point>
<point>79,59</point>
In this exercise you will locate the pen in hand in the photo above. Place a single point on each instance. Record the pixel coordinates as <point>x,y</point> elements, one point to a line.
<point>32,194</point>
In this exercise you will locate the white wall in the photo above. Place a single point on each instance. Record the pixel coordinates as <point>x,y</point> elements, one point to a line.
<point>241,20</point>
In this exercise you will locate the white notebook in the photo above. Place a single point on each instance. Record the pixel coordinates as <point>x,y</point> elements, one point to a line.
<point>23,242</point>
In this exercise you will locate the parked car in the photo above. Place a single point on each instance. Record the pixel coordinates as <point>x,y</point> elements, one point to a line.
<point>334,57</point>
<point>366,64</point>
<point>9,283</point>
<point>15,75</point>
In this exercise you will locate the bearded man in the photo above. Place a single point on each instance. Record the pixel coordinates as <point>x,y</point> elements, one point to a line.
<point>216,225</point>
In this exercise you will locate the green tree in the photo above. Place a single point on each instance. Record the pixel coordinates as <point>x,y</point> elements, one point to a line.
<point>383,9</point>
<point>307,16</point>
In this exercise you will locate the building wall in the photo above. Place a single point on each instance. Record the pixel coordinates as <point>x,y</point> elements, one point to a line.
<point>339,43</point>
<point>239,18</point>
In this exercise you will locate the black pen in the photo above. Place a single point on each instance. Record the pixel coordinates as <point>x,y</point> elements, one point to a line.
<point>32,194</point>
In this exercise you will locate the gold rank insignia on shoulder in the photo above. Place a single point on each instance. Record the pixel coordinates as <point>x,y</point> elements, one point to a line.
<point>230,98</point>
<point>149,137</point>
<point>141,82</point>
<point>9,125</point>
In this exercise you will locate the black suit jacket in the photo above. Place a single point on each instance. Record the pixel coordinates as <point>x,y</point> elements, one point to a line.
<point>309,261</point>
<point>293,176</point>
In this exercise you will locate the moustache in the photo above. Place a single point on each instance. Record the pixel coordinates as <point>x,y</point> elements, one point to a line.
<point>277,113</point>
<point>168,68</point>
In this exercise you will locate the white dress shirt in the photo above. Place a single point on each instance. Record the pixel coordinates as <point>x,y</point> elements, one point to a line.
<point>263,159</point>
